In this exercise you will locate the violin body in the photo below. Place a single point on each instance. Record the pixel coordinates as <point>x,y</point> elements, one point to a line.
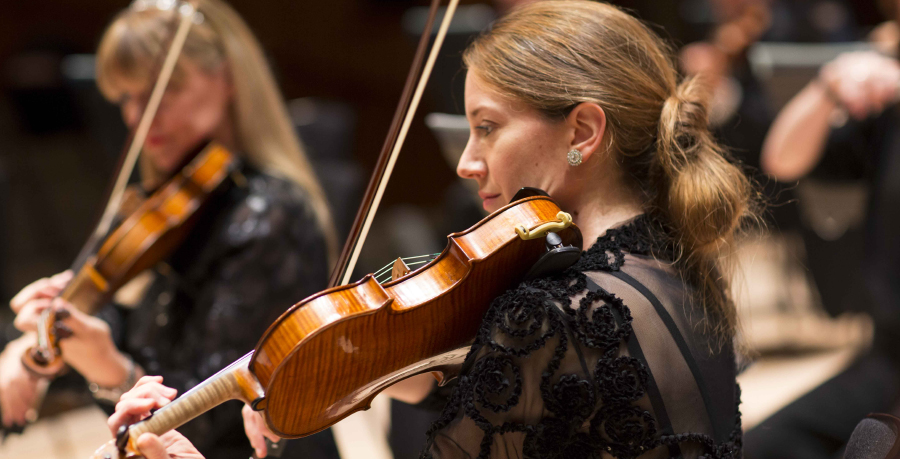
<point>329,355</point>
<point>144,238</point>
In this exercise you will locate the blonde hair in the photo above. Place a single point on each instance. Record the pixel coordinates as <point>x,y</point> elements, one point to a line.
<point>554,55</point>
<point>265,135</point>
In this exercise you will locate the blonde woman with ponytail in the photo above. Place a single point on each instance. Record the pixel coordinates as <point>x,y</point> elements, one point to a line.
<point>629,352</point>
<point>262,244</point>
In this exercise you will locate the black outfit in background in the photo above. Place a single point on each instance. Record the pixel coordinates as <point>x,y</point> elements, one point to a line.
<point>818,424</point>
<point>604,360</point>
<point>256,251</point>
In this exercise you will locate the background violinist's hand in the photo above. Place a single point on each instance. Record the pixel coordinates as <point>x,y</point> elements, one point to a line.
<point>863,82</point>
<point>18,387</point>
<point>257,431</point>
<point>88,346</point>
<point>46,288</point>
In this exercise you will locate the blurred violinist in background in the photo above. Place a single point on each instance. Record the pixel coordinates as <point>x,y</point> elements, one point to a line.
<point>263,243</point>
<point>844,125</point>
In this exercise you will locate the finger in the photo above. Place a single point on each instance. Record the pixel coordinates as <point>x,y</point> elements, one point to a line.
<point>152,447</point>
<point>178,446</point>
<point>141,382</point>
<point>61,280</point>
<point>148,379</point>
<point>268,433</point>
<point>129,412</point>
<point>162,395</point>
<point>257,441</point>
<point>259,446</point>
<point>28,293</point>
<point>27,318</point>
<point>41,288</point>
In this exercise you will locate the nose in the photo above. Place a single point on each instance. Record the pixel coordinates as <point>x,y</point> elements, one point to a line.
<point>471,165</point>
<point>131,112</point>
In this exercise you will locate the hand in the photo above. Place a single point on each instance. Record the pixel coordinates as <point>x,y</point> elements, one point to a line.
<point>170,445</point>
<point>88,348</point>
<point>704,59</point>
<point>19,389</point>
<point>257,431</point>
<point>862,82</point>
<point>147,394</point>
<point>46,289</point>
<point>135,405</point>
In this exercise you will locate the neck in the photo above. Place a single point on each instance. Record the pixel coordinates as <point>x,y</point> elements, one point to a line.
<point>602,207</point>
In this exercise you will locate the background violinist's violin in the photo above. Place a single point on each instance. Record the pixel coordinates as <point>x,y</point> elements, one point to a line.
<point>144,238</point>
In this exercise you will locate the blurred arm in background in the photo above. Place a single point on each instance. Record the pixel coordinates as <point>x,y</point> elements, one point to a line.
<point>860,84</point>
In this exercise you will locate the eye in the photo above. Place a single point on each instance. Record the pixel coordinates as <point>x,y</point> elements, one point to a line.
<point>487,129</point>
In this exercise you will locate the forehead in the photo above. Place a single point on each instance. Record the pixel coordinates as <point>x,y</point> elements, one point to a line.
<point>480,98</point>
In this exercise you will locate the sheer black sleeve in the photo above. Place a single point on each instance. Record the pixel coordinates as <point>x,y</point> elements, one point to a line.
<point>603,361</point>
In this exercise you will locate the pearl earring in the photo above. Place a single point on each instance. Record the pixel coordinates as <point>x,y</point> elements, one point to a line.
<point>574,157</point>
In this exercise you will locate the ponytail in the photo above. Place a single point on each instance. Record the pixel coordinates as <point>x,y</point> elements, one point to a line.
<point>701,196</point>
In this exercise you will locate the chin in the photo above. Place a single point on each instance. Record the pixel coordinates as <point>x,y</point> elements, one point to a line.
<point>492,205</point>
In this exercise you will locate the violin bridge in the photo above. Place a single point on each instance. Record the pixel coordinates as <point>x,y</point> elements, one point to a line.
<point>399,270</point>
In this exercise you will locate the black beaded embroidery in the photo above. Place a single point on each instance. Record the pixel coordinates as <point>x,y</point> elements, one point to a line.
<point>539,312</point>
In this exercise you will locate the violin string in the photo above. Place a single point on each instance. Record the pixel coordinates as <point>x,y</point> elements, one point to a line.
<point>390,265</point>
<point>387,267</point>
<point>386,270</point>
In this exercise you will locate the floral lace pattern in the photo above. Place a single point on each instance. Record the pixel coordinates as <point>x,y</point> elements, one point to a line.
<point>585,414</point>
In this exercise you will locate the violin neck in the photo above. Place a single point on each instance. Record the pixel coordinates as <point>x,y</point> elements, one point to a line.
<point>234,382</point>
<point>88,290</point>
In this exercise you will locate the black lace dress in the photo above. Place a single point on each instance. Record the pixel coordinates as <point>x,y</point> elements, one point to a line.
<point>607,359</point>
<point>255,252</point>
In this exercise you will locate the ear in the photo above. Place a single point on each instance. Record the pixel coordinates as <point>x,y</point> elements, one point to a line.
<point>588,123</point>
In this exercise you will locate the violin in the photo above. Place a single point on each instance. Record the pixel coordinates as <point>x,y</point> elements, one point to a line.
<point>153,231</point>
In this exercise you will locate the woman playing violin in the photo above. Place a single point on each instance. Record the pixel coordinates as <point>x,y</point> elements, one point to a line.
<point>629,352</point>
<point>261,244</point>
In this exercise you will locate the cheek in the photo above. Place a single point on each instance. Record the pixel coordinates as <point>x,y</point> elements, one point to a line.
<point>195,117</point>
<point>525,161</point>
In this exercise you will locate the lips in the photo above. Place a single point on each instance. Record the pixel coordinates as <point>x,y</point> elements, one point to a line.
<point>485,195</point>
